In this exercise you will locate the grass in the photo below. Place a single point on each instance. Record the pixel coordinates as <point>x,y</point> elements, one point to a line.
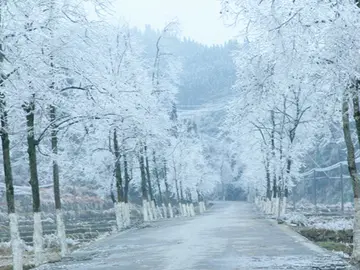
<point>335,246</point>
<point>9,267</point>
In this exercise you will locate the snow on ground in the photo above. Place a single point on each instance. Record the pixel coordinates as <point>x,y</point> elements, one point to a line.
<point>335,223</point>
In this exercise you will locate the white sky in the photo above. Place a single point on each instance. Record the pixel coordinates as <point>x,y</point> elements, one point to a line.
<point>199,19</point>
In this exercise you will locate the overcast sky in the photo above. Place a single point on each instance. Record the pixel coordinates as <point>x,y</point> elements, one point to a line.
<point>199,19</point>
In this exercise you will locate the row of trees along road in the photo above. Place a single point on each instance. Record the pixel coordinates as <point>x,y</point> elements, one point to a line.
<point>79,102</point>
<point>297,74</point>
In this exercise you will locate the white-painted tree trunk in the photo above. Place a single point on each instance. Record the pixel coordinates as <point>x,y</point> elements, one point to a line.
<point>16,245</point>
<point>283,206</point>
<point>145,211</point>
<point>192,209</point>
<point>356,240</point>
<point>153,210</point>
<point>164,210</point>
<point>123,214</point>
<point>119,215</point>
<point>38,240</point>
<point>188,208</point>
<point>150,211</point>
<point>171,212</point>
<point>273,206</point>
<point>278,208</point>
<point>125,210</point>
<point>127,215</point>
<point>265,204</point>
<point>181,209</point>
<point>200,209</point>
<point>159,212</point>
<point>61,233</point>
<point>203,206</point>
<point>185,210</point>
<point>268,207</point>
<point>261,205</point>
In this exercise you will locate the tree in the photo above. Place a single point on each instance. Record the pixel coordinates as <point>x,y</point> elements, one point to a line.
<point>320,61</point>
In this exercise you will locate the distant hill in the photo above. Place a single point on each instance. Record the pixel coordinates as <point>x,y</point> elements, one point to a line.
<point>208,72</point>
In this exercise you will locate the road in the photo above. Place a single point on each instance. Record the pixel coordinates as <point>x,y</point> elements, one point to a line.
<point>230,236</point>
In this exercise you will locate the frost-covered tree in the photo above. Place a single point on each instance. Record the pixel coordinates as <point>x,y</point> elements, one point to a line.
<point>306,51</point>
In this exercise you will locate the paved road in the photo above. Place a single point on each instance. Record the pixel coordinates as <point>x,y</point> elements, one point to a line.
<point>231,236</point>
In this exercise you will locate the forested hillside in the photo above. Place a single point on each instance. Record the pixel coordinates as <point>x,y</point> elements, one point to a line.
<point>208,72</point>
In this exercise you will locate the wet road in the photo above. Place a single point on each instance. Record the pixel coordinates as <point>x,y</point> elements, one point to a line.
<point>230,236</point>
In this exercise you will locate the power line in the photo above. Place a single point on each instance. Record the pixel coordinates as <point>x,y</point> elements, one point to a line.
<point>329,168</point>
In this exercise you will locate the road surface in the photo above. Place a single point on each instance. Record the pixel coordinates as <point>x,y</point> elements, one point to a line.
<point>230,236</point>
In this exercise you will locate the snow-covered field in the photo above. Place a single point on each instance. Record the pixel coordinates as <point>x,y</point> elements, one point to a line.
<point>326,225</point>
<point>335,223</point>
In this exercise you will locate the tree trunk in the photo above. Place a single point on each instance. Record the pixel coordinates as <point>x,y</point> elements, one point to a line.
<point>34,181</point>
<point>357,114</point>
<point>199,201</point>
<point>267,203</point>
<point>157,179</point>
<point>161,200</point>
<point>127,180</point>
<point>280,180</point>
<point>6,156</point>
<point>274,187</point>
<point>118,176</point>
<point>181,192</point>
<point>182,200</point>
<point>16,245</point>
<point>222,180</point>
<point>315,190</point>
<point>288,170</point>
<point>177,188</point>
<point>268,180</point>
<point>167,189</point>
<point>167,192</point>
<point>54,147</point>
<point>143,185</point>
<point>147,168</point>
<point>223,190</point>
<point>285,186</point>
<point>353,173</point>
<point>150,188</point>
<point>60,225</point>
<point>119,207</point>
